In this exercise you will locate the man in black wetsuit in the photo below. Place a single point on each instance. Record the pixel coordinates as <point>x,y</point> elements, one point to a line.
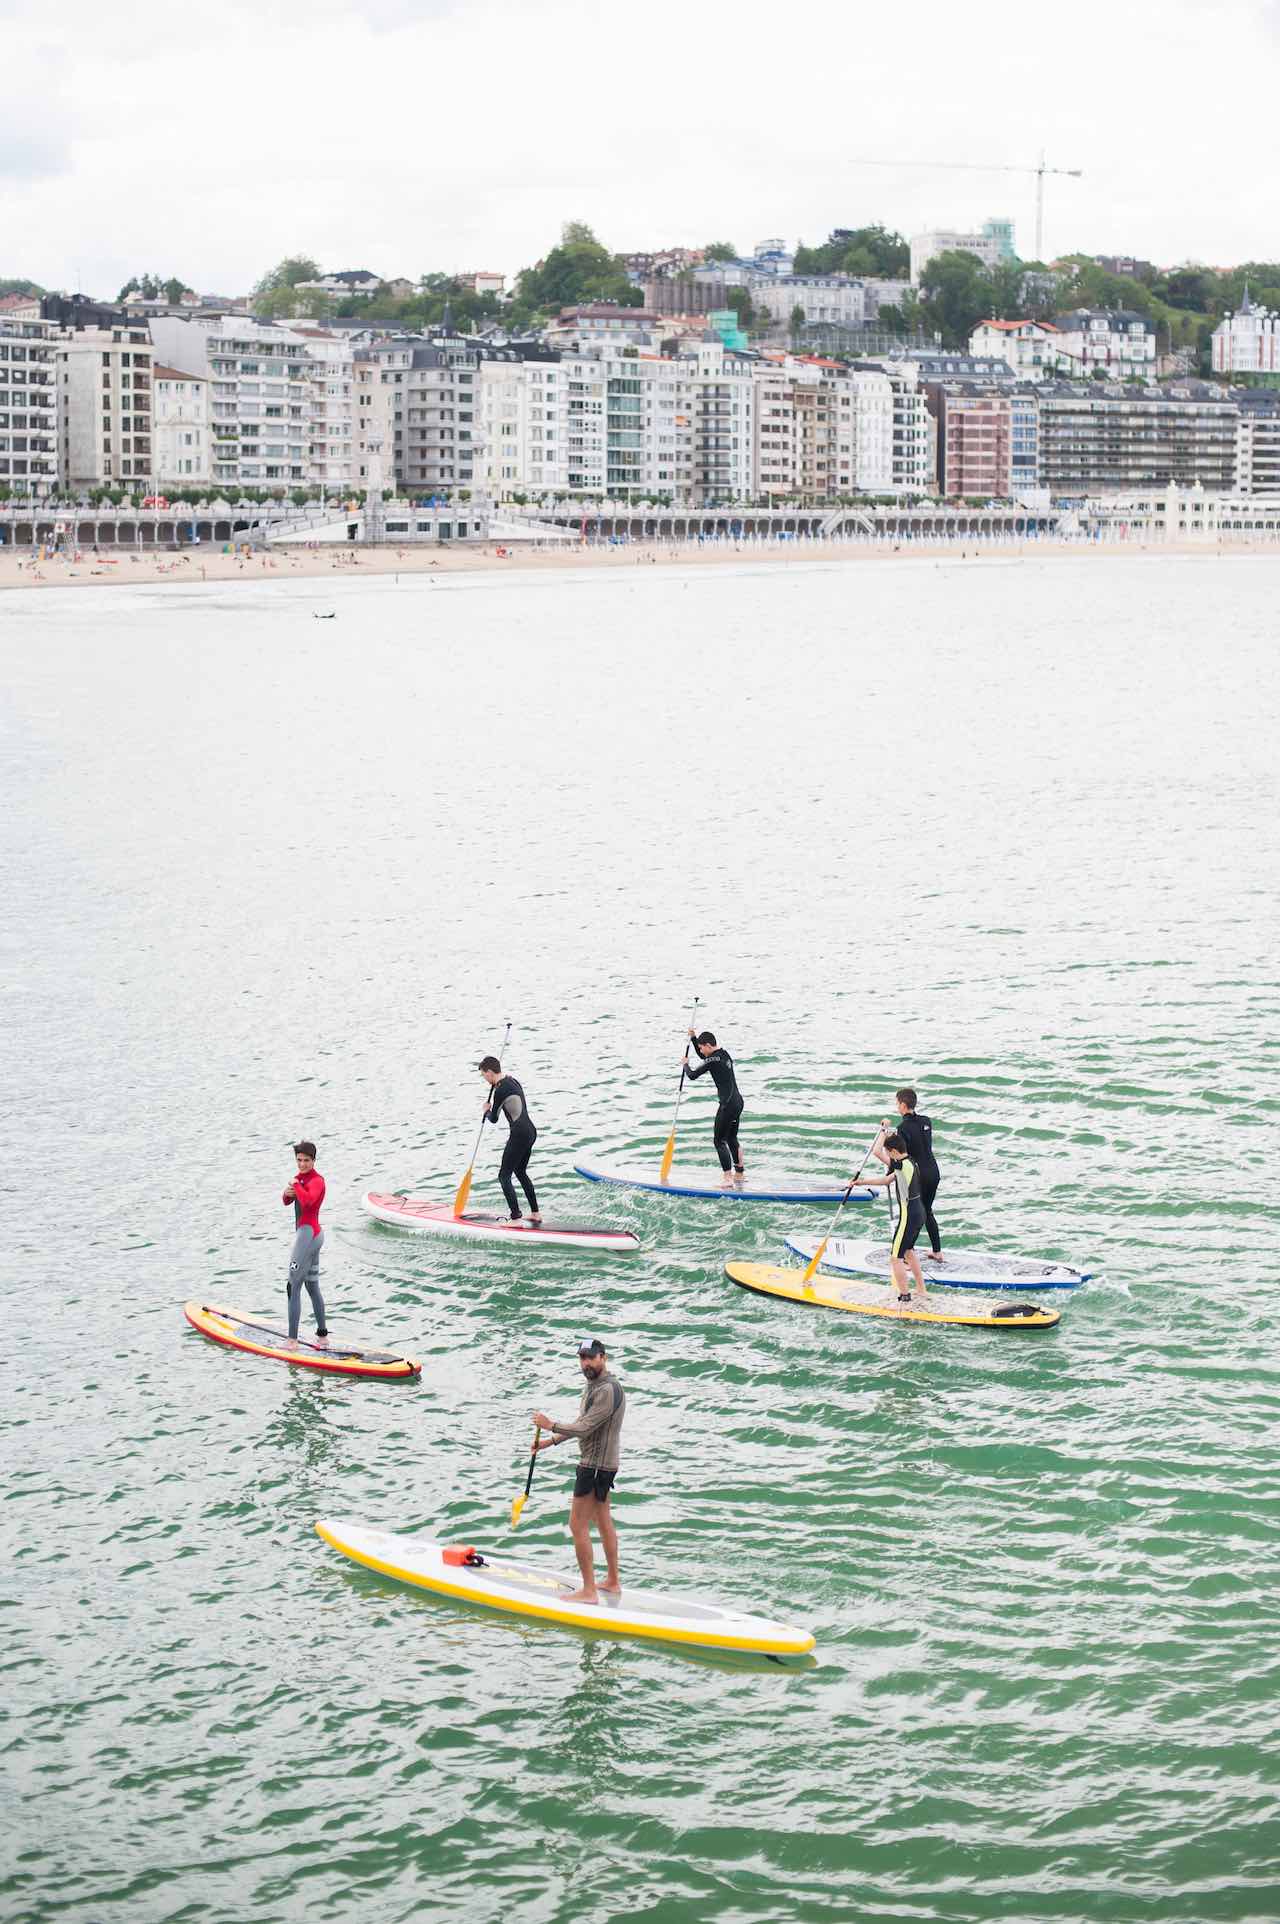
<point>917,1132</point>
<point>718,1063</point>
<point>506,1098</point>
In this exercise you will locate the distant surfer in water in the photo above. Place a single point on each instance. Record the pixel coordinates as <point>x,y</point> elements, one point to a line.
<point>599,1431</point>
<point>306,1193</point>
<point>506,1098</point>
<point>718,1064</point>
<point>904,1179</point>
<point>917,1132</point>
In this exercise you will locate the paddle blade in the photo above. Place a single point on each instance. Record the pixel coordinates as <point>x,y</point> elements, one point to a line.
<point>517,1505</point>
<point>667,1156</point>
<point>464,1190</point>
<point>811,1267</point>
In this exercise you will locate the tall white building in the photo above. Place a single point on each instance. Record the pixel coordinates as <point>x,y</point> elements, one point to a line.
<point>819,297</point>
<point>1248,341</point>
<point>419,400</point>
<point>259,394</point>
<point>28,410</point>
<point>332,445</point>
<point>993,245</point>
<point>104,407</point>
<point>180,413</point>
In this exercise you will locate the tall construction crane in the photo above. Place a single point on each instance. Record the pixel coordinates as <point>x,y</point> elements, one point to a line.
<point>977,167</point>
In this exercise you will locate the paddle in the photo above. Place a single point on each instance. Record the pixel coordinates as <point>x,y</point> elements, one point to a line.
<point>811,1267</point>
<point>670,1149</point>
<point>464,1187</point>
<point>518,1503</point>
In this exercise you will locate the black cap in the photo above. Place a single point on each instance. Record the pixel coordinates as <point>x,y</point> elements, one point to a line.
<point>591,1346</point>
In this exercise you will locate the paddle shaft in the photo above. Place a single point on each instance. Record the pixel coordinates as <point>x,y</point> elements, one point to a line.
<point>670,1150</point>
<point>811,1267</point>
<point>464,1187</point>
<point>520,1501</point>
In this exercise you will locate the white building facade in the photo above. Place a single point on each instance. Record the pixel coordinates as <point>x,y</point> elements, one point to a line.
<point>1248,341</point>
<point>1030,348</point>
<point>1116,341</point>
<point>104,407</point>
<point>180,412</point>
<point>993,245</point>
<point>28,410</point>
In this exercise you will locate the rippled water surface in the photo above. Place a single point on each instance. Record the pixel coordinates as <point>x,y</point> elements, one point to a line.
<point>1006,830</point>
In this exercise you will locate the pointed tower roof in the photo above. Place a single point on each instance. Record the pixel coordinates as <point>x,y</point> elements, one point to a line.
<point>1246,305</point>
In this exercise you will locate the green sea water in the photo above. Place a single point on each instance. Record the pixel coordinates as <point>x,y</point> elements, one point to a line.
<point>1003,829</point>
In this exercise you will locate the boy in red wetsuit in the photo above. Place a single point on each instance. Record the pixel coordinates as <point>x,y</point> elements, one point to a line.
<point>306,1193</point>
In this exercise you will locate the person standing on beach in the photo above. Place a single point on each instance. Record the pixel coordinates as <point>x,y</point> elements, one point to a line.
<point>506,1098</point>
<point>599,1431</point>
<point>718,1064</point>
<point>904,1180</point>
<point>917,1132</point>
<point>306,1193</point>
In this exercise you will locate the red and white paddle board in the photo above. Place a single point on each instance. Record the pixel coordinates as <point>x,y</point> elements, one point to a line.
<point>438,1219</point>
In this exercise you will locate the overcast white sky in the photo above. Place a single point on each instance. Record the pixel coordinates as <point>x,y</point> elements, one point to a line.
<point>412,135</point>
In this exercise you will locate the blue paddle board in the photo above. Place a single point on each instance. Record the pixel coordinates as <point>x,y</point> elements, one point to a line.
<point>686,1182</point>
<point>959,1268</point>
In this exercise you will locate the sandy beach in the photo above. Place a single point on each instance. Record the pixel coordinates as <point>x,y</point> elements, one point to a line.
<point>210,564</point>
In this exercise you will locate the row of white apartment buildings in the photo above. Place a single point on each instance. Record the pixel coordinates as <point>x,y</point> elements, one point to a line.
<point>706,425</point>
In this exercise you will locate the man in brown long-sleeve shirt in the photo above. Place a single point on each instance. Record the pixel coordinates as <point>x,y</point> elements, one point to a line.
<point>598,1430</point>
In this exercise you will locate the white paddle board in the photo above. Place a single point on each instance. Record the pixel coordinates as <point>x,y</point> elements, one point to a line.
<point>959,1268</point>
<point>504,1583</point>
<point>753,1188</point>
<point>438,1219</point>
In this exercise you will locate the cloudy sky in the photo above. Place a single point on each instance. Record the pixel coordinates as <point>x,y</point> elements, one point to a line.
<point>413,135</point>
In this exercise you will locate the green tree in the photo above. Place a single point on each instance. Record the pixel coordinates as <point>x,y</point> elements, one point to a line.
<point>797,321</point>
<point>31,288</point>
<point>876,251</point>
<point>719,251</point>
<point>957,294</point>
<point>579,269</point>
<point>274,295</point>
<point>740,301</point>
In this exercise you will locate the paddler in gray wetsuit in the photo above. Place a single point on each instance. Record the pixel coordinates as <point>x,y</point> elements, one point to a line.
<point>598,1430</point>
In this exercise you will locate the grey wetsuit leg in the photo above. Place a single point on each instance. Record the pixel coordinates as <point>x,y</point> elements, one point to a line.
<point>304,1267</point>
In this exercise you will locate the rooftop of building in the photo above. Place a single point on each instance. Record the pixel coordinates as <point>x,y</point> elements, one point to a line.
<point>1011,327</point>
<point>1120,316</point>
<point>162,373</point>
<point>1153,396</point>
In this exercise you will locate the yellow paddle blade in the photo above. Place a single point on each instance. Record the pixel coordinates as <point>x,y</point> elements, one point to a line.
<point>667,1155</point>
<point>516,1508</point>
<point>464,1190</point>
<point>811,1267</point>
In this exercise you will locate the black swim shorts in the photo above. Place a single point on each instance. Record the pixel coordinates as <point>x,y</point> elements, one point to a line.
<point>596,1483</point>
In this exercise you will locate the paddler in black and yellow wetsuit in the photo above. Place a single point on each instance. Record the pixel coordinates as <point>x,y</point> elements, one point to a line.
<point>718,1064</point>
<point>904,1180</point>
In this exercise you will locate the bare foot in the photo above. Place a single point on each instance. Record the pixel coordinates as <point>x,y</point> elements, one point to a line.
<point>535,1222</point>
<point>933,1256</point>
<point>581,1596</point>
<point>611,1589</point>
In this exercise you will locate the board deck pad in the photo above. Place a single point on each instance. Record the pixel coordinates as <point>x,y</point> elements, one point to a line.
<point>868,1298</point>
<point>241,1329</point>
<point>706,1186</point>
<point>510,1585</point>
<point>438,1218</point>
<point>959,1269</point>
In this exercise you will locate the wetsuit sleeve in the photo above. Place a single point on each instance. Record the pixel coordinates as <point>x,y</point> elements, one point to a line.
<point>701,1070</point>
<point>602,1401</point>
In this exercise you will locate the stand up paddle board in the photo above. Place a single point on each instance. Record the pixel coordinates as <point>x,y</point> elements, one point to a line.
<point>685,1182</point>
<point>959,1269</point>
<point>439,1219</point>
<point>238,1329</point>
<point>500,1584</point>
<point>865,1299</point>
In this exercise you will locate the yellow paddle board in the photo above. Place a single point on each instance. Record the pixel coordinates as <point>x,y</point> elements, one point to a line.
<point>500,1583</point>
<point>866,1299</point>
